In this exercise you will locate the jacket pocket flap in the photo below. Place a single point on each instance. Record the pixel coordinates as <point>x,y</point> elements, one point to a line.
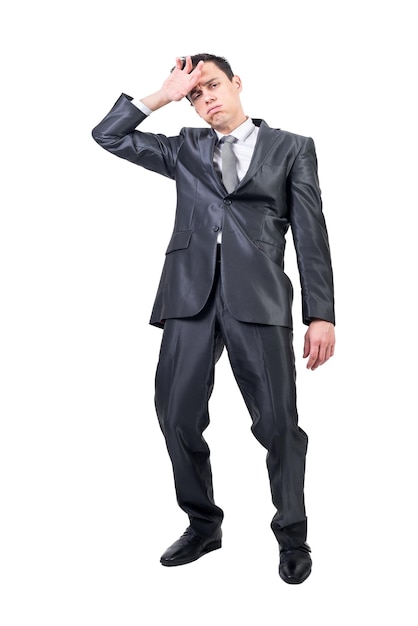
<point>179,241</point>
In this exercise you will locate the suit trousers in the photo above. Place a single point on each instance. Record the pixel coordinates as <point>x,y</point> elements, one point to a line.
<point>262,361</point>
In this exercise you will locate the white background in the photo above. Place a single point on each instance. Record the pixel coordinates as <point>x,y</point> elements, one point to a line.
<point>87,501</point>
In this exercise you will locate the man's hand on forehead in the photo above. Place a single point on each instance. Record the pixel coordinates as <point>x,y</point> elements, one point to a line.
<point>182,79</point>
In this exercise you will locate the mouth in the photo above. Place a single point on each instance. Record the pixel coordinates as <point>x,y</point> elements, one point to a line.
<point>213,109</point>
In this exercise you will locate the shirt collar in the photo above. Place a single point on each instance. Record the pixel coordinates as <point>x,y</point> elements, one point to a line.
<point>242,132</point>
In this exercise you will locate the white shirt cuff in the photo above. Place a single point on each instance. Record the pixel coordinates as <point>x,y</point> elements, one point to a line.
<point>141,106</point>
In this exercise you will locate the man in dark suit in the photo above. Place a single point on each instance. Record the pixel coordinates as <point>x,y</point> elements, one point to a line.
<point>223,285</point>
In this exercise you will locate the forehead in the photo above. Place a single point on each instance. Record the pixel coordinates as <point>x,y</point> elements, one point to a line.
<point>210,70</point>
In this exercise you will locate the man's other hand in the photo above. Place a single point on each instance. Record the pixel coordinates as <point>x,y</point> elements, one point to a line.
<point>319,343</point>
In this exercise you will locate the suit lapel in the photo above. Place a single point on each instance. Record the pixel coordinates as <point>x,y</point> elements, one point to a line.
<point>207,145</point>
<point>266,140</point>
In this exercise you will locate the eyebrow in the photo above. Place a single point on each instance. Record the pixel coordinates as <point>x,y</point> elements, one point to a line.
<point>204,85</point>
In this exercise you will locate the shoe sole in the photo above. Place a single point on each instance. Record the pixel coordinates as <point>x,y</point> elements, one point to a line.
<point>215,545</point>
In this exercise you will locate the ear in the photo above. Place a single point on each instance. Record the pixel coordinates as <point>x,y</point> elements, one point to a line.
<point>237,82</point>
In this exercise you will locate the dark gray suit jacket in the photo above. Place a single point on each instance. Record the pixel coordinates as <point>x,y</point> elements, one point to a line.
<point>280,189</point>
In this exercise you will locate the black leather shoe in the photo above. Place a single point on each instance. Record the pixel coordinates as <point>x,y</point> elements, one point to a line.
<point>190,547</point>
<point>295,564</point>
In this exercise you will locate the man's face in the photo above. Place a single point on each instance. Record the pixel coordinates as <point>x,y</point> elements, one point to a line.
<point>217,100</point>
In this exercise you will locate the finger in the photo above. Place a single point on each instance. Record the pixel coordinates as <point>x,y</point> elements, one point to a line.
<point>329,352</point>
<point>179,63</point>
<point>325,353</point>
<point>322,354</point>
<point>198,67</point>
<point>306,347</point>
<point>194,78</point>
<point>313,357</point>
<point>196,73</point>
<point>188,66</point>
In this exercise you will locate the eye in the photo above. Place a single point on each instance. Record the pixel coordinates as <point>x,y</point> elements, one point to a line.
<point>195,96</point>
<point>214,85</point>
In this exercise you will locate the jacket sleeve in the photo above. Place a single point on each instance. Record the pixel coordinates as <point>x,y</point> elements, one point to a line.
<point>310,236</point>
<point>116,133</point>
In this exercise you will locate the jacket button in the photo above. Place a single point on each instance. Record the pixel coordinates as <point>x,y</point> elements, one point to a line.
<point>215,229</point>
<point>227,201</point>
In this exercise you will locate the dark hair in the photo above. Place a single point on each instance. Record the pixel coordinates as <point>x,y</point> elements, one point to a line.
<point>220,62</point>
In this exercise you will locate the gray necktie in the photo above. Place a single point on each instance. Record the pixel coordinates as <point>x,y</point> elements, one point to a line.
<point>229,164</point>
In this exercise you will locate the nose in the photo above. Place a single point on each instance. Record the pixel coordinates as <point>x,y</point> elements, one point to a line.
<point>208,96</point>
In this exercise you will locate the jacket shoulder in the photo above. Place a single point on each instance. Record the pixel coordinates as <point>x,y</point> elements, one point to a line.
<point>291,137</point>
<point>196,133</point>
<point>295,137</point>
